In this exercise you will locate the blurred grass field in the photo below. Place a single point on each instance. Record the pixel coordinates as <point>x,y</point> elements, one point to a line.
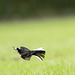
<point>56,35</point>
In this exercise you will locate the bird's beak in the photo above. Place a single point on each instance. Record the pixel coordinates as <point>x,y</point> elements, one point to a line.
<point>13,47</point>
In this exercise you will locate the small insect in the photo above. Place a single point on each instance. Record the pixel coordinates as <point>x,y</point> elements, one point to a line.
<point>26,53</point>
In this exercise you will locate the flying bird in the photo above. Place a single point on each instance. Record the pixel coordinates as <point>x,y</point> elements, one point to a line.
<point>26,53</point>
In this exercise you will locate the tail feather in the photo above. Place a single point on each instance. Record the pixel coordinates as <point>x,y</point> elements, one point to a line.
<point>42,55</point>
<point>39,53</point>
<point>39,57</point>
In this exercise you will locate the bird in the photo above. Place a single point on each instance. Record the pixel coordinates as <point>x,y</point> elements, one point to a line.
<point>26,53</point>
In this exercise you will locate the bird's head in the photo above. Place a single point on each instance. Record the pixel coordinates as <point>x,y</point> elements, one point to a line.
<point>15,48</point>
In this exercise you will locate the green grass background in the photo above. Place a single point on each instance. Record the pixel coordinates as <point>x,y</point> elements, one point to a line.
<point>55,35</point>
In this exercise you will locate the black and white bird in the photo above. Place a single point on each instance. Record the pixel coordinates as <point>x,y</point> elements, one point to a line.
<point>26,53</point>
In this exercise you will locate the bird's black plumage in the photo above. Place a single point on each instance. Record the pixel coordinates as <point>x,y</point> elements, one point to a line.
<point>26,53</point>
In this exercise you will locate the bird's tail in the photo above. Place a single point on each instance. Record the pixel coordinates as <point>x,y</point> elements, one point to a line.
<point>39,53</point>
